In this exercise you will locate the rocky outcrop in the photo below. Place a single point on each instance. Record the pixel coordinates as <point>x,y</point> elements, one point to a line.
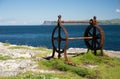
<point>25,59</point>
<point>20,60</point>
<point>14,67</point>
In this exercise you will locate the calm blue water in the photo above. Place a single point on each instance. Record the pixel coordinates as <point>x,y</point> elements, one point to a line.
<point>40,35</point>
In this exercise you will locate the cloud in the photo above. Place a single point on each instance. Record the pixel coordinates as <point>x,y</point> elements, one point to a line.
<point>9,21</point>
<point>118,10</point>
<point>14,21</point>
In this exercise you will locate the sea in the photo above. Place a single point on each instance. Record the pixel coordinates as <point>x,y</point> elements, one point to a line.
<point>40,35</point>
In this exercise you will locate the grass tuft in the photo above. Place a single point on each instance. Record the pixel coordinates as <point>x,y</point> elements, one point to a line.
<point>104,65</point>
<point>19,47</point>
<point>6,44</point>
<point>60,65</point>
<point>31,75</point>
<point>40,48</point>
<point>4,57</point>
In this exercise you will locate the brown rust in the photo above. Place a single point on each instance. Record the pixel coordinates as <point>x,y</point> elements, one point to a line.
<point>80,38</point>
<point>73,21</point>
<point>94,39</point>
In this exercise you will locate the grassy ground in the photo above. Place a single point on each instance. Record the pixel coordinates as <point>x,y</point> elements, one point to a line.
<point>87,66</point>
<point>105,68</point>
<point>4,57</point>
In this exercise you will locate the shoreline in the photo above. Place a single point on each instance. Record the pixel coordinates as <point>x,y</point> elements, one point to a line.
<point>118,51</point>
<point>111,53</point>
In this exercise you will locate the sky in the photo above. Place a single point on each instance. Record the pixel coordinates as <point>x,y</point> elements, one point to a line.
<point>35,12</point>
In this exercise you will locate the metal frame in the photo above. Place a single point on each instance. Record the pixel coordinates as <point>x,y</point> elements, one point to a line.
<point>93,40</point>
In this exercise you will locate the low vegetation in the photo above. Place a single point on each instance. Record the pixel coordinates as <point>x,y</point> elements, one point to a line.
<point>19,47</point>
<point>30,75</point>
<point>4,57</point>
<point>6,44</point>
<point>87,66</point>
<point>40,48</point>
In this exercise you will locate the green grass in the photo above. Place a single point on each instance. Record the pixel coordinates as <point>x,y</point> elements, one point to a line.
<point>6,44</point>
<point>30,75</point>
<point>107,68</point>
<point>45,52</point>
<point>4,57</point>
<point>40,48</point>
<point>19,47</point>
<point>110,69</point>
<point>60,65</point>
<point>16,47</point>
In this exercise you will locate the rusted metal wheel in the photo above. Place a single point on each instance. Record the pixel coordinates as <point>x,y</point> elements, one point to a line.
<point>59,39</point>
<point>97,35</point>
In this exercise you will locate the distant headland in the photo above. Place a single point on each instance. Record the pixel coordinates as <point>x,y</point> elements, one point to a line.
<point>102,22</point>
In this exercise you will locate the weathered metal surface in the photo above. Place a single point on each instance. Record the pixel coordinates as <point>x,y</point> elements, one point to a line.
<point>80,38</point>
<point>97,41</point>
<point>93,37</point>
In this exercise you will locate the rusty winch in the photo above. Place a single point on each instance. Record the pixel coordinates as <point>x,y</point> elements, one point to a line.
<point>93,37</point>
